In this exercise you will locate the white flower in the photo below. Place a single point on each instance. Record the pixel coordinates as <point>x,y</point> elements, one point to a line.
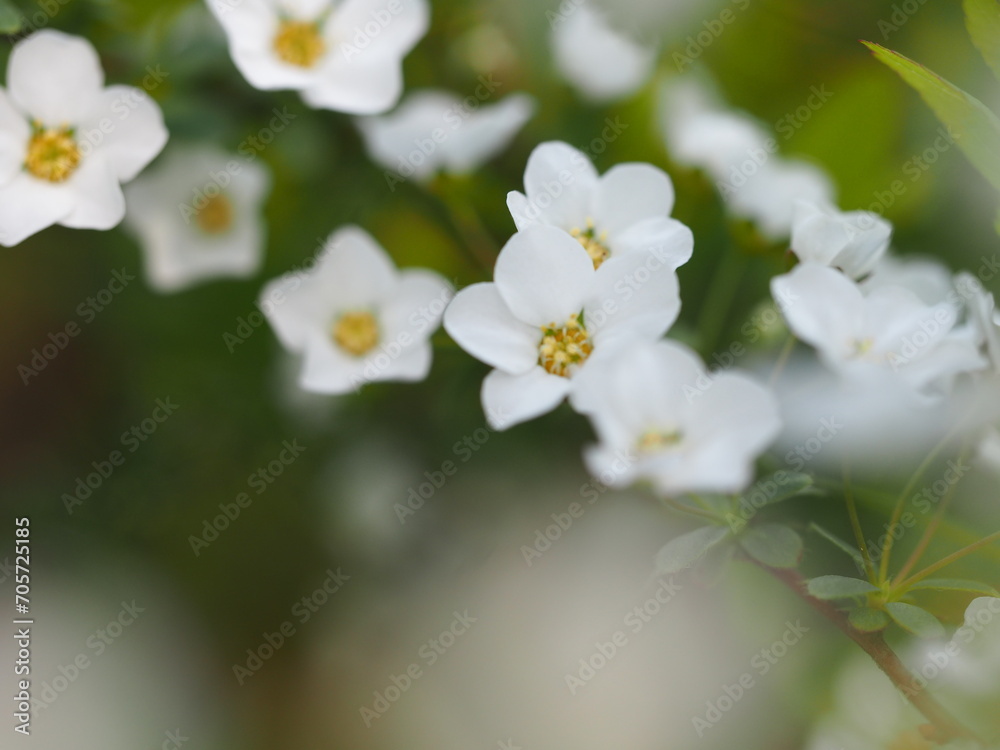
<point>198,216</point>
<point>345,56</point>
<point>739,154</point>
<point>983,315</point>
<point>355,318</point>
<point>623,211</point>
<point>603,63</point>
<point>66,141</point>
<point>928,278</point>
<point>852,241</point>
<point>660,417</point>
<point>550,315</point>
<point>434,131</point>
<point>889,329</point>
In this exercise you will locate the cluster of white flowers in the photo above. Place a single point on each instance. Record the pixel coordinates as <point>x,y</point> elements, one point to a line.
<point>582,296</point>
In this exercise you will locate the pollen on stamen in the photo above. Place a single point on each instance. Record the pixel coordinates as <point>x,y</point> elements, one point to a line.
<point>564,347</point>
<point>657,440</point>
<point>356,333</point>
<point>592,242</point>
<point>216,215</point>
<point>299,43</point>
<point>53,154</point>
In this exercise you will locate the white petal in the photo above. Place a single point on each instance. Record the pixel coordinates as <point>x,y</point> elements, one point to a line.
<point>481,323</point>
<point>127,128</point>
<point>14,135</point>
<point>511,399</point>
<point>29,205</point>
<point>668,239</point>
<point>391,139</point>
<point>354,270</point>
<point>636,294</point>
<point>614,468</point>
<point>99,202</point>
<point>487,132</point>
<point>543,275</point>
<point>559,183</point>
<point>822,307</point>
<point>325,369</point>
<point>416,305</point>
<point>365,85</point>
<point>411,366</point>
<point>54,77</point>
<point>628,193</point>
<point>601,62</point>
<point>389,28</point>
<point>769,194</point>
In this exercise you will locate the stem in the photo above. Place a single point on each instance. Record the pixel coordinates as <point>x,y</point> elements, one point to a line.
<point>948,728</point>
<point>859,534</point>
<point>897,513</point>
<point>931,529</point>
<point>953,557</point>
<point>684,508</point>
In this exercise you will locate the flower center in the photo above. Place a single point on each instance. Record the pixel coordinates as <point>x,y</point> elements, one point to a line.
<point>52,154</point>
<point>910,741</point>
<point>216,216</point>
<point>356,332</point>
<point>564,348</point>
<point>299,43</point>
<point>654,441</point>
<point>592,242</point>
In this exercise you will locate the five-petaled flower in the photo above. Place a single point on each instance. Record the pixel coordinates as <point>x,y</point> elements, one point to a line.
<point>355,318</point>
<point>343,56</point>
<point>549,315</point>
<point>66,140</point>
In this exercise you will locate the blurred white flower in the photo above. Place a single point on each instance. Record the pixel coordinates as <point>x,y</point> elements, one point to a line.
<point>549,314</point>
<point>435,131</point>
<point>66,141</point>
<point>740,156</point>
<point>601,62</point>
<point>198,216</point>
<point>983,315</point>
<point>343,56</point>
<point>625,210</point>
<point>889,329</point>
<point>660,417</point>
<point>355,317</point>
<point>928,278</point>
<point>852,241</point>
<point>988,450</point>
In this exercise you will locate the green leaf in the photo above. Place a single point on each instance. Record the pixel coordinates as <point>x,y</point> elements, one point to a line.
<point>684,551</point>
<point>954,584</point>
<point>10,18</point>
<point>773,545</point>
<point>975,128</point>
<point>868,620</point>
<point>915,620</point>
<point>839,587</point>
<point>982,18</point>
<point>839,543</point>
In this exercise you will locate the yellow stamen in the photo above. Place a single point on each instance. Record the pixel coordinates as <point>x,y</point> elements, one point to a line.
<point>299,43</point>
<point>52,154</point>
<point>216,216</point>
<point>657,440</point>
<point>592,242</point>
<point>564,348</point>
<point>356,332</point>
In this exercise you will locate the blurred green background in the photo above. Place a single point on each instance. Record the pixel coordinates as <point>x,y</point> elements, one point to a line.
<point>235,409</point>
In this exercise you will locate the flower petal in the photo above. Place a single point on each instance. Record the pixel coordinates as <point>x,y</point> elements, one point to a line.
<point>635,294</point>
<point>365,85</point>
<point>668,239</point>
<point>130,140</point>
<point>543,275</point>
<point>411,366</point>
<point>481,323</point>
<point>55,78</point>
<point>14,135</point>
<point>511,399</point>
<point>29,205</point>
<point>386,28</point>
<point>559,183</point>
<point>416,305</point>
<point>628,193</point>
<point>822,307</point>
<point>99,202</point>
<point>325,369</point>
<point>354,271</point>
